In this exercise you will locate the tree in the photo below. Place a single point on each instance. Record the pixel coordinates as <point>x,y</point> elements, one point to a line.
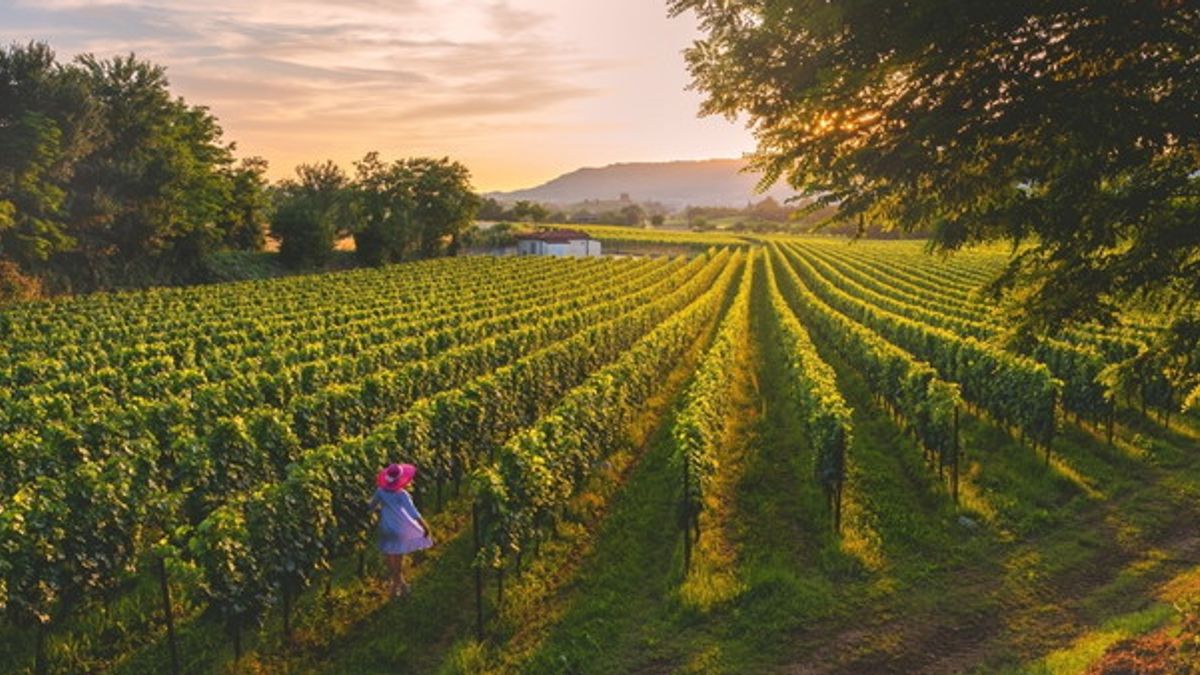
<point>528,211</point>
<point>657,219</point>
<point>445,203</point>
<point>384,208</point>
<point>632,215</point>
<point>491,209</point>
<point>147,199</point>
<point>1070,128</point>
<point>247,206</point>
<point>46,123</point>
<point>106,178</point>
<point>410,208</point>
<point>769,209</point>
<point>31,227</point>
<point>307,213</point>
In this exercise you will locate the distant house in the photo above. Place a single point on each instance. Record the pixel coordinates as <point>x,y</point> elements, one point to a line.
<point>559,243</point>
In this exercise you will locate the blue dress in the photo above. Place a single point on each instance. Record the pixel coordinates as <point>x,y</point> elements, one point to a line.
<point>399,531</point>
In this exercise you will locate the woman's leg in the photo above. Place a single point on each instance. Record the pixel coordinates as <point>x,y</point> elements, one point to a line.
<point>400,574</point>
<point>393,565</point>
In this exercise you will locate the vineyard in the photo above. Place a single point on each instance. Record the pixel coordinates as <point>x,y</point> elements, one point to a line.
<point>756,454</point>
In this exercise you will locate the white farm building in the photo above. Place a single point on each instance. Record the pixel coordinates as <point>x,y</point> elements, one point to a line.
<point>559,243</point>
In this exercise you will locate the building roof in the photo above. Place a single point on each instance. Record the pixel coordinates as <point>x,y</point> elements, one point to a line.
<point>555,236</point>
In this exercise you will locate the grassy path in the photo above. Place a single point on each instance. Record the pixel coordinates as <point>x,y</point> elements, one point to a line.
<point>629,608</point>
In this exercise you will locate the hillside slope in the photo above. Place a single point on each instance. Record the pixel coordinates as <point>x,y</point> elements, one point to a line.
<point>714,182</point>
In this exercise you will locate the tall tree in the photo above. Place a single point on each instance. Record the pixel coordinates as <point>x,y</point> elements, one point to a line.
<point>47,121</point>
<point>384,211</point>
<point>247,207</point>
<point>445,203</point>
<point>146,200</point>
<point>308,214</point>
<point>491,209</point>
<point>1071,128</point>
<point>410,208</point>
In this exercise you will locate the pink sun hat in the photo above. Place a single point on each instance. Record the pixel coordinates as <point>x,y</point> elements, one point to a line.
<point>396,477</point>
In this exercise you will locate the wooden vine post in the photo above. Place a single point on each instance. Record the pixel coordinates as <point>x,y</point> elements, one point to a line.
<point>954,465</point>
<point>168,615</point>
<point>687,525</point>
<point>478,574</point>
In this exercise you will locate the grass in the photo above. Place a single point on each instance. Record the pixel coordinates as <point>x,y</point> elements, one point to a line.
<point>1086,649</point>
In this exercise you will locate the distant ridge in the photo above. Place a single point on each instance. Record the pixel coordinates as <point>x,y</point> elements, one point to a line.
<point>712,182</point>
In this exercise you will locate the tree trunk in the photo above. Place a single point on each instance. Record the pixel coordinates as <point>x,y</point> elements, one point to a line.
<point>500,587</point>
<point>835,503</point>
<point>287,610</point>
<point>1112,415</point>
<point>39,650</point>
<point>237,639</point>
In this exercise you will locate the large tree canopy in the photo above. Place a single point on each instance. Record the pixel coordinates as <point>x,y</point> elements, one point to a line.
<point>107,178</point>
<point>308,212</point>
<point>409,208</point>
<point>1070,128</point>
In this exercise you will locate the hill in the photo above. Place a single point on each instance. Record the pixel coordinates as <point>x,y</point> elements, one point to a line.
<point>713,182</point>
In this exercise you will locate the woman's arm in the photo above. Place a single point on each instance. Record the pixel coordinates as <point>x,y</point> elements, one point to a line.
<point>410,508</point>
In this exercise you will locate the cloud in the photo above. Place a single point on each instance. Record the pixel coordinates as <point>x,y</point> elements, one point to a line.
<point>508,20</point>
<point>517,89</point>
<point>306,62</point>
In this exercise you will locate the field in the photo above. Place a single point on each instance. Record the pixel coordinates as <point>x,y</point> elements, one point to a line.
<point>764,455</point>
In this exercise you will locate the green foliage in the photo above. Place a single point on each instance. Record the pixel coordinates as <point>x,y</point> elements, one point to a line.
<point>45,114</point>
<point>31,231</point>
<point>107,179</point>
<point>148,197</point>
<point>500,235</point>
<point>445,204</point>
<point>235,428</point>
<point>304,375</point>
<point>410,208</point>
<point>699,427</point>
<point>246,210</point>
<point>1066,126</point>
<point>911,387</point>
<point>1015,390</point>
<point>814,391</point>
<point>527,211</point>
<point>307,214</point>
<point>538,470</point>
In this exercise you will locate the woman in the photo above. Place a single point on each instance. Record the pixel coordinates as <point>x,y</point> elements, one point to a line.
<point>401,528</point>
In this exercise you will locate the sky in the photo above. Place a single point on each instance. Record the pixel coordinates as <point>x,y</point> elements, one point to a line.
<point>518,90</point>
